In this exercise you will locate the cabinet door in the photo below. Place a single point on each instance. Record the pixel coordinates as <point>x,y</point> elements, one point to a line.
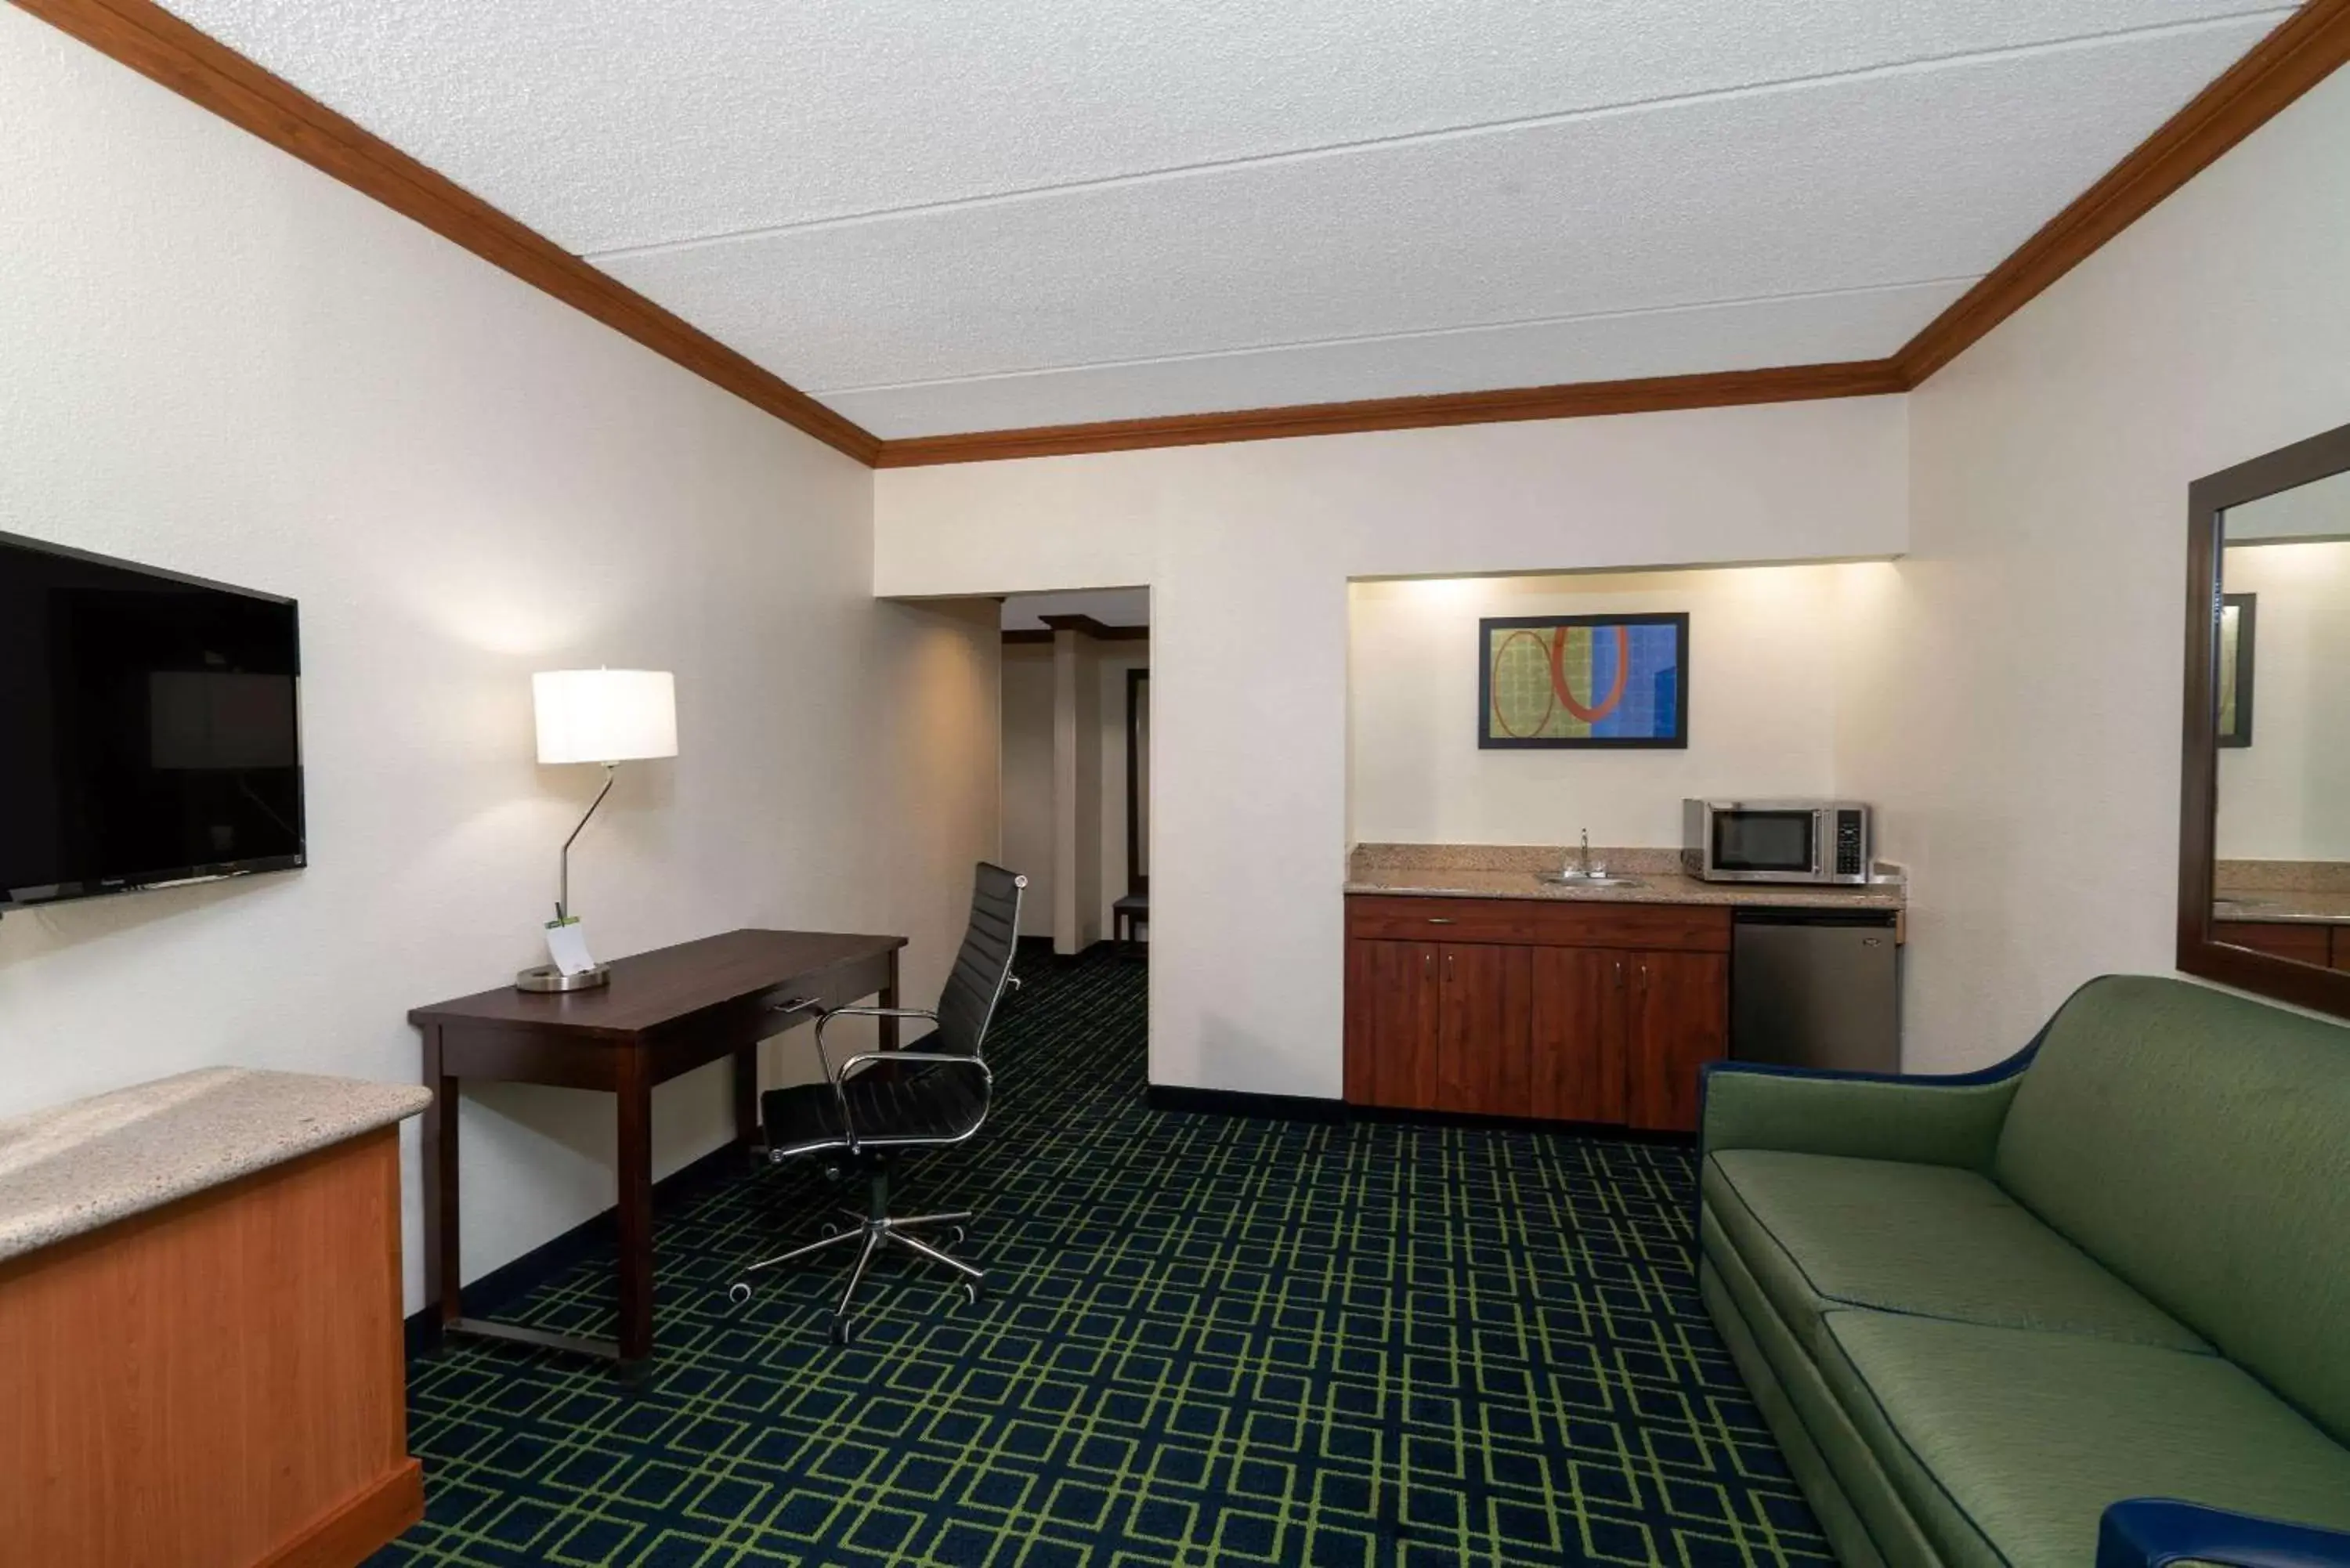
<point>2302,943</point>
<point>1679,1020</point>
<point>1392,992</point>
<point>1576,1056</point>
<point>1480,1059</point>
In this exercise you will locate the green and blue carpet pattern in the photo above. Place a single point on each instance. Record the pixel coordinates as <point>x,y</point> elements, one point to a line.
<point>1209,1339</point>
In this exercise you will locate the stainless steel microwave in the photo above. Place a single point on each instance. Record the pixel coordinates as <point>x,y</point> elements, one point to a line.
<point>1777,840</point>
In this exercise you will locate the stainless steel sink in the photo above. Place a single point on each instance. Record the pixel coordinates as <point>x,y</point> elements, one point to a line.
<point>1584,880</point>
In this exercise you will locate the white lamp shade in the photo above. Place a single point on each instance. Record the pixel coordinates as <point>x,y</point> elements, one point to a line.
<point>605,715</point>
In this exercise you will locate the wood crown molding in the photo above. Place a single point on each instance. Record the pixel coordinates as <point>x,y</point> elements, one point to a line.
<point>2305,49</point>
<point>1100,631</point>
<point>1720,389</point>
<point>1083,625</point>
<point>158,45</point>
<point>2302,51</point>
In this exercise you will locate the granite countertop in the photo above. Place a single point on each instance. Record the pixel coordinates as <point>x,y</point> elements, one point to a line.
<point>2291,891</point>
<point>2282,905</point>
<point>1511,871</point>
<point>77,1167</point>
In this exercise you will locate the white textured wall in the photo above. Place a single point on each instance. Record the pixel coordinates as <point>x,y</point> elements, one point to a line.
<point>1028,779</point>
<point>1765,646</point>
<point>1248,549</point>
<point>2286,796</point>
<point>2024,715</point>
<point>222,362</point>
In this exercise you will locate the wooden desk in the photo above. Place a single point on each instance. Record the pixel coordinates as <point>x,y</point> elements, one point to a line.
<point>665,1012</point>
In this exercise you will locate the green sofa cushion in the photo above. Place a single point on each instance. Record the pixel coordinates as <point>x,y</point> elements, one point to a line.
<point>2008,1444</point>
<point>1823,1231</point>
<point>2198,1144</point>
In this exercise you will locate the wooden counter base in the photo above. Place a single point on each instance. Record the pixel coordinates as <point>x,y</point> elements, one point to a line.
<point>1565,1011</point>
<point>215,1384</point>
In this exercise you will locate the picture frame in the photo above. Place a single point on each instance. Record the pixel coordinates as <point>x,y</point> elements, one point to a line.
<point>1537,674</point>
<point>2239,623</point>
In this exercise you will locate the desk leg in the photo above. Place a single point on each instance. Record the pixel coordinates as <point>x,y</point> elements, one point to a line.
<point>746,1102</point>
<point>636,1216</point>
<point>443,1284</point>
<point>889,999</point>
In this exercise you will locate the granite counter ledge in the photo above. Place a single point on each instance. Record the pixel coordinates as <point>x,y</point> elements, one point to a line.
<point>1512,871</point>
<point>76,1168</point>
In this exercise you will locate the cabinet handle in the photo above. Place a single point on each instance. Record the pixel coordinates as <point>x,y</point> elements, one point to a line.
<point>1440,919</point>
<point>1428,963</point>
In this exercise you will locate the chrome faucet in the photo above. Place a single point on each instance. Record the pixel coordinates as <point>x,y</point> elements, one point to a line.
<point>1583,867</point>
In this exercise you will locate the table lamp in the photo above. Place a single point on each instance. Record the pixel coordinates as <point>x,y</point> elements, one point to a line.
<point>606,716</point>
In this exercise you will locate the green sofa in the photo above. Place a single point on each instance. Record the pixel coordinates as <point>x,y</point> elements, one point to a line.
<point>1980,1313</point>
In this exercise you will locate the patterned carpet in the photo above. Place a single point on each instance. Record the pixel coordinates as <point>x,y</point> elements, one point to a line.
<point>1210,1340</point>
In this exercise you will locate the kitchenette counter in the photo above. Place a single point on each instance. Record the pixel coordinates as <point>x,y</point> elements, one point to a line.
<point>1512,871</point>
<point>2283,892</point>
<point>2286,906</point>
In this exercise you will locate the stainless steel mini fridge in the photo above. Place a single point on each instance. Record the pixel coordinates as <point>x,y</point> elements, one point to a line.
<point>1816,988</point>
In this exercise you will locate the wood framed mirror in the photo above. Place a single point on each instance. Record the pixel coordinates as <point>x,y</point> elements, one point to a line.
<point>2264,813</point>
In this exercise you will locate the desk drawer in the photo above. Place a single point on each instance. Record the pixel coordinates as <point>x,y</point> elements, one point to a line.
<point>833,987</point>
<point>1538,923</point>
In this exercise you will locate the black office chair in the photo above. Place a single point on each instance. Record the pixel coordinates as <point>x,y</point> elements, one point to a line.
<point>930,1094</point>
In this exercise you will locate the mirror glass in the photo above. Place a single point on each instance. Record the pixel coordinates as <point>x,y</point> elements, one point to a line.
<point>2281,879</point>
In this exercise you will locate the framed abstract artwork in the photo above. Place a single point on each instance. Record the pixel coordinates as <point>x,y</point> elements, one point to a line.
<point>1594,681</point>
<point>2238,623</point>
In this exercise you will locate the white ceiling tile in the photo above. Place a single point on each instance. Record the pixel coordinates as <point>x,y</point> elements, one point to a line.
<point>1001,212</point>
<point>1817,328</point>
<point>1891,179</point>
<point>605,123</point>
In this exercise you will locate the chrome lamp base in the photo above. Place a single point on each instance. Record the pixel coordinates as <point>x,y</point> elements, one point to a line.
<point>546,977</point>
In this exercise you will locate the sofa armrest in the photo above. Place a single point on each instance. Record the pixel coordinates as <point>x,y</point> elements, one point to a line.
<point>2150,1531</point>
<point>1925,1120</point>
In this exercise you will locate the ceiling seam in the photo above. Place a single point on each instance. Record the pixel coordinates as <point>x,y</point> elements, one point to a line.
<point>1210,169</point>
<point>1404,336</point>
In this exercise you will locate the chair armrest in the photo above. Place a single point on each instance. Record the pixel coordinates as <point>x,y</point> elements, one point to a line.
<point>825,1020</point>
<point>2150,1531</point>
<point>1921,1119</point>
<point>936,1058</point>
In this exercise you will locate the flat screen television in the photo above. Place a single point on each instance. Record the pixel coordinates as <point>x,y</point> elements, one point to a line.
<point>150,728</point>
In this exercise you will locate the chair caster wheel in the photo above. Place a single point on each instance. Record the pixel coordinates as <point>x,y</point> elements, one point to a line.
<point>840,1333</point>
<point>956,1232</point>
<point>971,1293</point>
<point>738,1292</point>
<point>832,1173</point>
<point>828,1228</point>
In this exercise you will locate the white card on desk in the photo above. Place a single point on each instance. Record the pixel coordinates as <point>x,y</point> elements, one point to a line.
<point>566,944</point>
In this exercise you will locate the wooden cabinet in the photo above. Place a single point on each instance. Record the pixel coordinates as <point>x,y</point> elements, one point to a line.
<point>1579,1012</point>
<point>1392,995</point>
<point>1575,1052</point>
<point>1482,1045</point>
<point>1678,1021</point>
<point>1441,1026</point>
<point>2304,942</point>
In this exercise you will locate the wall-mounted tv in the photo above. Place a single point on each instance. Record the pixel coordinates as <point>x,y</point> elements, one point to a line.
<point>150,728</point>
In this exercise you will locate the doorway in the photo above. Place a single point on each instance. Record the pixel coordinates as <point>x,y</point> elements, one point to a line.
<point>1075,770</point>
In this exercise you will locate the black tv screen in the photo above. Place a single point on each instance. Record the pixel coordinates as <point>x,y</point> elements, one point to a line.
<point>150,727</point>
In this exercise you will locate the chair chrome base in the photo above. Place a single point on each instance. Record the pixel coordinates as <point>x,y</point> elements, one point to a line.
<point>876,1228</point>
